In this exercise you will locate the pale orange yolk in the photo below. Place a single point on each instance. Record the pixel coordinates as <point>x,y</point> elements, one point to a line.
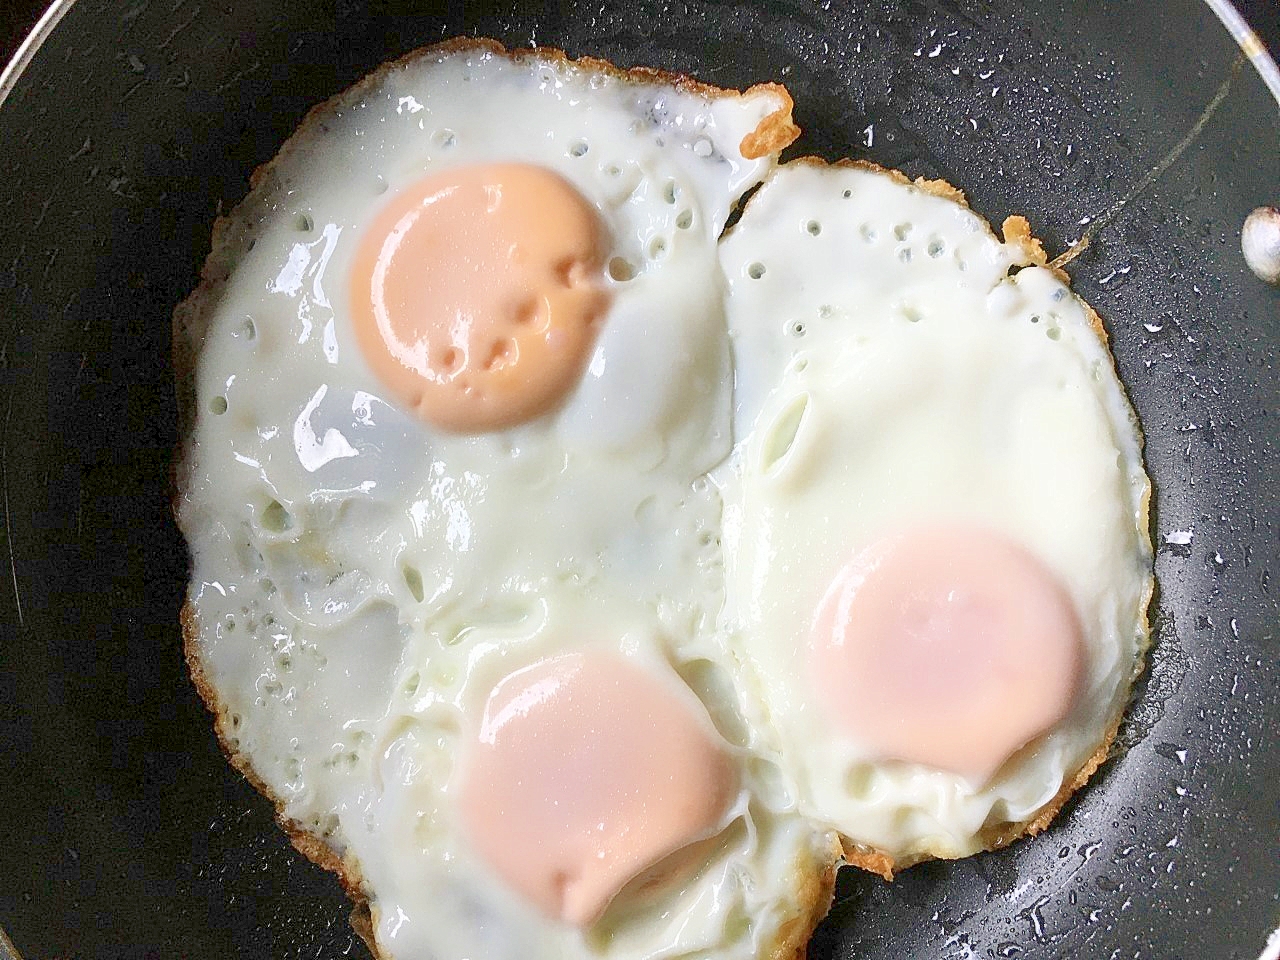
<point>948,648</point>
<point>588,771</point>
<point>476,293</point>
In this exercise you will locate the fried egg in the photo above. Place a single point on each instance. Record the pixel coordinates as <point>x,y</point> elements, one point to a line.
<point>935,532</point>
<point>462,368</point>
<point>580,582</point>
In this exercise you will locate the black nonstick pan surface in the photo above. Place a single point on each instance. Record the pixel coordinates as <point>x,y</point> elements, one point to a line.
<point>124,833</point>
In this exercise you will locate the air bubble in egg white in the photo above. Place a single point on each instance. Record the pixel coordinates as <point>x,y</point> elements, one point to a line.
<point>275,518</point>
<point>411,684</point>
<point>621,269</point>
<point>413,580</point>
<point>860,780</point>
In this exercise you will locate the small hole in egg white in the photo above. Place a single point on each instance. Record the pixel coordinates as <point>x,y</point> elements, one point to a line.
<point>782,433</point>
<point>1053,333</point>
<point>825,311</point>
<point>248,329</point>
<point>936,248</point>
<point>218,406</point>
<point>813,228</point>
<point>613,170</point>
<point>901,230</point>
<point>670,191</point>
<point>905,254</point>
<point>800,364</point>
<point>621,269</point>
<point>685,220</point>
<point>859,780</point>
<point>657,248</point>
<point>797,329</point>
<point>578,148</point>
<point>304,223</point>
<point>276,518</point>
<point>755,270</point>
<point>413,580</point>
<point>847,194</point>
<point>380,186</point>
<point>868,233</point>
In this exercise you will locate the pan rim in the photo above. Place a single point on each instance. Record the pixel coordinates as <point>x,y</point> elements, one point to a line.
<point>1225,10</point>
<point>26,51</point>
<point>1250,44</point>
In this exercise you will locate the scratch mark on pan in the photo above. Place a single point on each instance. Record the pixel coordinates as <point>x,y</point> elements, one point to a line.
<point>1104,218</point>
<point>44,209</point>
<point>240,75</point>
<point>8,522</point>
<point>179,28</point>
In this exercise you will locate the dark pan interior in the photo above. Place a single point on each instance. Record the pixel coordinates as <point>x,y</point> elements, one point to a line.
<point>123,833</point>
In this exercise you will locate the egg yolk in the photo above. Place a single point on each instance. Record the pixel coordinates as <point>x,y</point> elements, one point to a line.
<point>949,648</point>
<point>476,293</point>
<point>587,772</point>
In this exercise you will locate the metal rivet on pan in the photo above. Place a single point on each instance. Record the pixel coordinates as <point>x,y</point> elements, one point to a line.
<point>1260,243</point>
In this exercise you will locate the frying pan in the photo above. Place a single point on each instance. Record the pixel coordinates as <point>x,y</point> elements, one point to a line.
<point>123,833</point>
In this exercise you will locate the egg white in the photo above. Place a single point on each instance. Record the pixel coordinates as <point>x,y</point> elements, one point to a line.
<point>895,368</point>
<point>357,575</point>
